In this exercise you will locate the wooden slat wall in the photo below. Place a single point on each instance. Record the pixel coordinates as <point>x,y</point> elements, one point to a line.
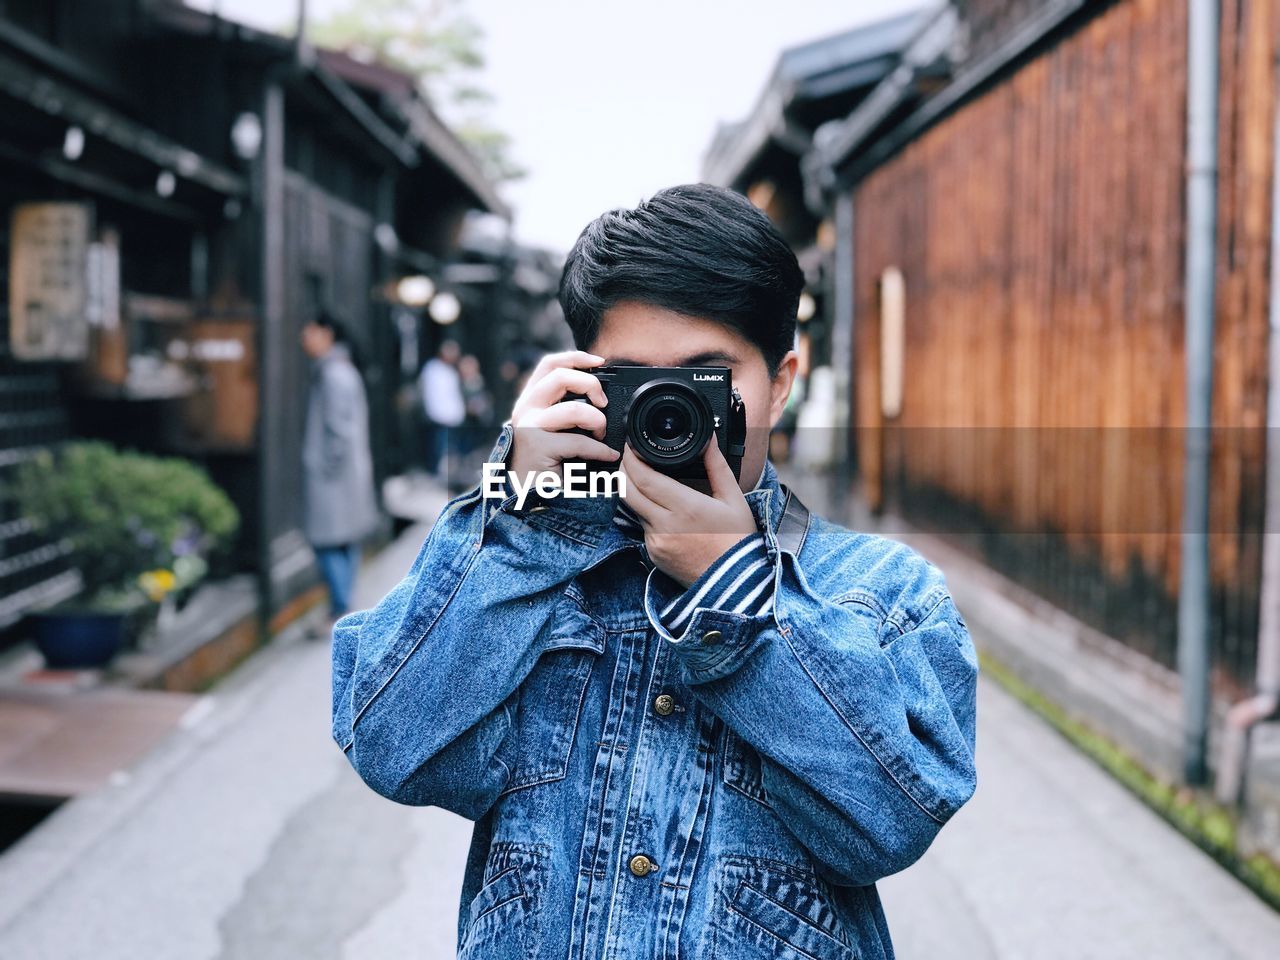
<point>33,414</point>
<point>1248,104</point>
<point>1040,230</point>
<point>328,256</point>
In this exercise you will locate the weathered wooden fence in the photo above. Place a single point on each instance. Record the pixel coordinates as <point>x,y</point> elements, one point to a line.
<point>1039,230</point>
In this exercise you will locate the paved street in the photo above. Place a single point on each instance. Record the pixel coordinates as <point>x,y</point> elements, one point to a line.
<point>247,837</point>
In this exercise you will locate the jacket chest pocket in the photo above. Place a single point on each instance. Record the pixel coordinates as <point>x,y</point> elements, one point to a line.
<point>548,711</point>
<point>502,920</point>
<point>741,767</point>
<point>772,910</point>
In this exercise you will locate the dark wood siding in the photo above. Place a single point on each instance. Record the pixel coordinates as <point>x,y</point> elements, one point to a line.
<point>1040,231</point>
<point>33,415</point>
<point>328,258</point>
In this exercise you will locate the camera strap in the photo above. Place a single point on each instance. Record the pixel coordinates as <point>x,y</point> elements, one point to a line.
<point>794,525</point>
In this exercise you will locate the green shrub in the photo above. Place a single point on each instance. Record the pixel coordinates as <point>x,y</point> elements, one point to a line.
<point>125,514</point>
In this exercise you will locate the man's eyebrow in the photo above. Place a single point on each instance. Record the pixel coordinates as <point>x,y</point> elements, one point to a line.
<point>704,359</point>
<point>708,358</point>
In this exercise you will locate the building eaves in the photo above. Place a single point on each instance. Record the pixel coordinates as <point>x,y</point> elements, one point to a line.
<point>272,47</point>
<point>838,51</point>
<point>365,116</point>
<point>859,56</point>
<point>452,153</point>
<point>877,128</point>
<point>400,91</point>
<point>60,99</point>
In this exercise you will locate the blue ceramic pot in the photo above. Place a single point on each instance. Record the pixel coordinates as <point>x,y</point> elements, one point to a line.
<point>80,638</point>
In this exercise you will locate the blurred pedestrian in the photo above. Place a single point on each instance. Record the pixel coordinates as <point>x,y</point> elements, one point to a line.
<point>443,406</point>
<point>477,402</point>
<point>339,505</point>
<point>513,374</point>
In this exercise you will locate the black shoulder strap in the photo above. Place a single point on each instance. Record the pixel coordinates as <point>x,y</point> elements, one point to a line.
<point>794,525</point>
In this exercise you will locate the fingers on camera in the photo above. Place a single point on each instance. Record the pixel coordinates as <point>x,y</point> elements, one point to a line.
<point>577,446</point>
<point>567,358</point>
<point>555,385</point>
<point>565,416</point>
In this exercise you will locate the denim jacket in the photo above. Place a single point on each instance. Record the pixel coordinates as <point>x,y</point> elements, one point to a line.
<point>735,793</point>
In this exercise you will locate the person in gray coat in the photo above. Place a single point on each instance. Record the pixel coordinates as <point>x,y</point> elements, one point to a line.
<point>339,505</point>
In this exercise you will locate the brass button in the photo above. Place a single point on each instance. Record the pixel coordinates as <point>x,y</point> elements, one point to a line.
<point>641,865</point>
<point>664,705</point>
<point>711,636</point>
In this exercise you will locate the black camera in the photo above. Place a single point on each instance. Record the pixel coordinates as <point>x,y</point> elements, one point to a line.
<point>668,414</point>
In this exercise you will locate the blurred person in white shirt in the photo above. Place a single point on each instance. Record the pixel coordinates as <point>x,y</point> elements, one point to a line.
<point>443,405</point>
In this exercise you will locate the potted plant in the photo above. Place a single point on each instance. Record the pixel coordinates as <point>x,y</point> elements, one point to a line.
<point>138,527</point>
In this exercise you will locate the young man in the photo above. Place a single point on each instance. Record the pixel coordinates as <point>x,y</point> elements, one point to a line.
<point>697,725</point>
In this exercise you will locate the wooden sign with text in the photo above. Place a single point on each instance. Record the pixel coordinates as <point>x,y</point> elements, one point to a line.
<point>48,286</point>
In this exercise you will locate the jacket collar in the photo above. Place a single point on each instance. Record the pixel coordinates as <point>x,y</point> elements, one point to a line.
<point>339,351</point>
<point>767,501</point>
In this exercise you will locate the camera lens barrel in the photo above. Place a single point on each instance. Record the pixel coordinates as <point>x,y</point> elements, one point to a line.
<point>669,423</point>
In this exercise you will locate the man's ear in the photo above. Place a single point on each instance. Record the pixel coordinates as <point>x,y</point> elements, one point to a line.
<point>780,387</point>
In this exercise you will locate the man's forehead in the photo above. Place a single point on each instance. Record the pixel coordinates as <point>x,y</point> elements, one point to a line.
<point>642,335</point>
<point>704,358</point>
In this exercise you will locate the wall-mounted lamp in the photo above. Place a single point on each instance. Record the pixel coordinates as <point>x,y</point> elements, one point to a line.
<point>384,235</point>
<point>73,143</point>
<point>246,135</point>
<point>444,308</point>
<point>166,183</point>
<point>415,291</point>
<point>806,307</point>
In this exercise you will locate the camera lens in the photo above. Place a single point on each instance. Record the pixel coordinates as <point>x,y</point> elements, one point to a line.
<point>668,423</point>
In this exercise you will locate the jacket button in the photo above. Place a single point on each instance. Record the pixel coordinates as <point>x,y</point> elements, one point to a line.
<point>711,636</point>
<point>664,705</point>
<point>641,865</point>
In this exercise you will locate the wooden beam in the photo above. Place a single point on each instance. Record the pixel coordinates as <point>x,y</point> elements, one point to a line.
<point>98,183</point>
<point>57,99</point>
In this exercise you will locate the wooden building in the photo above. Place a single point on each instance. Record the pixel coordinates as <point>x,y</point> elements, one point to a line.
<point>216,185</point>
<point>762,155</point>
<point>1013,230</point>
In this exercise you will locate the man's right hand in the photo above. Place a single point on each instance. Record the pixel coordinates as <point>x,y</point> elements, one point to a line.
<point>541,420</point>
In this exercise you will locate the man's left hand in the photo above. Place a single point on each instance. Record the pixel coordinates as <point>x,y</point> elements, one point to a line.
<point>685,530</point>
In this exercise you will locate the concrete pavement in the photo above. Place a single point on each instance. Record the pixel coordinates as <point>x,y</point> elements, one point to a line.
<point>246,835</point>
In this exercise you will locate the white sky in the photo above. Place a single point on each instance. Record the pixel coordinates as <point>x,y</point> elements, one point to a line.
<point>608,102</point>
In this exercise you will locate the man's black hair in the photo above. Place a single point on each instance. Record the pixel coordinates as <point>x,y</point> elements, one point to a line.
<point>696,249</point>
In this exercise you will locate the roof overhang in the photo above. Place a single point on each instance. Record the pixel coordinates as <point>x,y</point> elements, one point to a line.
<point>64,102</point>
<point>908,101</point>
<point>397,145</point>
<point>301,67</point>
<point>426,129</point>
<point>808,72</point>
<point>441,142</point>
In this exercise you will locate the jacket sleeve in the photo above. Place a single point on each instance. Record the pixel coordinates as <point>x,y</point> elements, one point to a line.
<point>863,717</point>
<point>425,683</point>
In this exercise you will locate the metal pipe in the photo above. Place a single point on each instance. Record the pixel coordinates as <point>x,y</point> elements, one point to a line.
<point>1233,759</point>
<point>842,350</point>
<point>1202,195</point>
<point>272,307</point>
<point>300,26</point>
